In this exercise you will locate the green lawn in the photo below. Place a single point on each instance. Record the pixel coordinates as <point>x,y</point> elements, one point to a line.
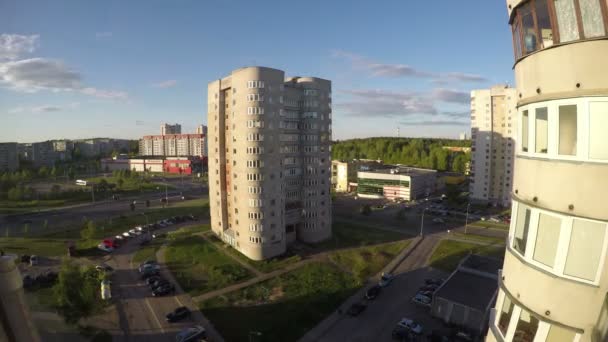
<point>354,235</point>
<point>364,262</point>
<point>488,224</point>
<point>200,267</point>
<point>37,246</point>
<point>449,253</point>
<point>148,252</point>
<point>263,265</point>
<point>480,238</point>
<point>282,308</point>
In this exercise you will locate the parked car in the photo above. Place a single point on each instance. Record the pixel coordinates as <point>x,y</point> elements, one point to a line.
<point>356,309</point>
<point>163,290</point>
<point>158,283</point>
<point>105,248</point>
<point>153,279</point>
<point>135,232</point>
<point>139,228</point>
<point>410,325</point>
<point>437,282</point>
<point>178,314</point>
<point>430,287</point>
<point>147,262</point>
<point>462,336</point>
<point>149,267</point>
<point>195,333</point>
<point>119,237</point>
<point>127,234</point>
<point>386,279</point>
<point>25,258</point>
<point>373,292</point>
<point>422,299</point>
<point>494,219</point>
<point>402,334</point>
<point>426,293</point>
<point>106,292</point>
<point>34,260</point>
<point>147,273</point>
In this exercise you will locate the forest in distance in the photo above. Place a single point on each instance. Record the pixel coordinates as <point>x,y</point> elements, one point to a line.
<point>419,152</point>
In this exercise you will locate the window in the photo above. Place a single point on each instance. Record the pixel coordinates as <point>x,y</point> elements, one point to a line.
<point>559,334</point>
<point>598,126</point>
<point>543,20</point>
<point>566,20</point>
<point>547,236</point>
<point>541,128</point>
<point>567,130</point>
<point>255,84</point>
<point>591,14</point>
<point>585,249</point>
<point>524,131</point>
<point>521,228</point>
<point>255,110</point>
<point>505,315</point>
<point>526,328</point>
<point>527,21</point>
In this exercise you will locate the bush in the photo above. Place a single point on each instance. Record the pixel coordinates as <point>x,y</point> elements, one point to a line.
<point>76,291</point>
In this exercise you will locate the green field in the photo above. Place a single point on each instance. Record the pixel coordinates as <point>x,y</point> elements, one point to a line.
<point>355,235</point>
<point>365,262</point>
<point>282,308</point>
<point>200,267</point>
<point>479,238</point>
<point>448,253</point>
<point>36,246</point>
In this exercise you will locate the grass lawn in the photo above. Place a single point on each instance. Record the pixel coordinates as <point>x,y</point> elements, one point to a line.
<point>364,262</point>
<point>148,252</point>
<point>282,308</point>
<point>449,253</point>
<point>41,299</point>
<point>480,238</point>
<point>37,246</point>
<point>200,267</point>
<point>263,265</point>
<point>354,235</point>
<point>488,224</point>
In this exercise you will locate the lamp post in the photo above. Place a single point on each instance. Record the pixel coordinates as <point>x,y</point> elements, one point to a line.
<point>422,220</point>
<point>466,219</point>
<point>147,224</point>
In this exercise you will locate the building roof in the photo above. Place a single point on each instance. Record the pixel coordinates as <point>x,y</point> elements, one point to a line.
<point>469,289</point>
<point>401,170</point>
<point>482,264</point>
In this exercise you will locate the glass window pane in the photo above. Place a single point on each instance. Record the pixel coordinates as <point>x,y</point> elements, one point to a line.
<point>598,126</point>
<point>585,249</point>
<point>567,130</point>
<point>517,36</point>
<point>559,334</point>
<point>524,131</point>
<point>526,328</point>
<point>505,315</point>
<point>547,236</point>
<point>591,13</point>
<point>521,228</point>
<point>544,23</point>
<point>566,20</point>
<point>527,20</point>
<point>541,130</point>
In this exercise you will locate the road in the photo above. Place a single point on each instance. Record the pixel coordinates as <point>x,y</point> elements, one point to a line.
<point>59,218</point>
<point>141,316</point>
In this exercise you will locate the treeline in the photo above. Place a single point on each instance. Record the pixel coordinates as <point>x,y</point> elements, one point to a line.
<point>419,152</point>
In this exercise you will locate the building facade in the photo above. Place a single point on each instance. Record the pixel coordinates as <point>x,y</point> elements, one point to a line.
<point>269,160</point>
<point>176,165</point>
<point>398,183</point>
<point>554,280</point>
<point>174,145</point>
<point>9,156</point>
<point>493,131</point>
<point>166,129</point>
<point>342,174</point>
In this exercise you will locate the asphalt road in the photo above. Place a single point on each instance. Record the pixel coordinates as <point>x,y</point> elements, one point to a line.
<point>59,218</point>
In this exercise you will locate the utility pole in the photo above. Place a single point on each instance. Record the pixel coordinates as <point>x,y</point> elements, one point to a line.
<point>422,221</point>
<point>466,219</point>
<point>93,192</point>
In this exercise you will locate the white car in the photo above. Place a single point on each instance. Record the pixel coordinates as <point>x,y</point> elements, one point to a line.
<point>127,234</point>
<point>119,237</point>
<point>422,299</point>
<point>386,279</point>
<point>139,228</point>
<point>135,232</point>
<point>105,248</point>
<point>106,290</point>
<point>410,325</point>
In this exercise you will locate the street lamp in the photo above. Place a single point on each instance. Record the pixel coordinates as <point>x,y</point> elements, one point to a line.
<point>422,220</point>
<point>254,333</point>
<point>466,219</point>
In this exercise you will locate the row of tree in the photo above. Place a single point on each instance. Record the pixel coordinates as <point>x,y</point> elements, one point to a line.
<point>420,152</point>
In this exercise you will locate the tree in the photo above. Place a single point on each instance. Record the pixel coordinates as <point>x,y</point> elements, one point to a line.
<point>43,172</point>
<point>120,182</point>
<point>103,185</point>
<point>75,292</point>
<point>53,172</point>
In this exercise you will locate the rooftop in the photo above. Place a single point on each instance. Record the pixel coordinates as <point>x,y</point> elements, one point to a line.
<point>482,264</point>
<point>469,289</point>
<point>401,170</point>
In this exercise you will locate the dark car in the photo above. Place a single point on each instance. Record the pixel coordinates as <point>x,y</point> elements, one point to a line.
<point>429,288</point>
<point>402,334</point>
<point>178,314</point>
<point>356,309</point>
<point>25,258</point>
<point>159,283</point>
<point>163,290</point>
<point>153,279</point>
<point>438,337</point>
<point>147,273</point>
<point>28,281</point>
<point>373,292</point>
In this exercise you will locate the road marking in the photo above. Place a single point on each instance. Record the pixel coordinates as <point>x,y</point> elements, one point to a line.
<point>154,314</point>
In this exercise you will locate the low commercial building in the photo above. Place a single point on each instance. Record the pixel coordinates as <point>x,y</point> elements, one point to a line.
<point>9,156</point>
<point>466,298</point>
<point>177,165</point>
<point>406,183</point>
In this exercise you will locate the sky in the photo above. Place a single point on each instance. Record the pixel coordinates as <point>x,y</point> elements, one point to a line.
<point>78,69</point>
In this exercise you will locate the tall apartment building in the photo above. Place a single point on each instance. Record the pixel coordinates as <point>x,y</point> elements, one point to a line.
<point>554,282</point>
<point>9,156</point>
<point>173,145</point>
<point>493,130</point>
<point>269,160</point>
<point>170,129</point>
<point>201,129</point>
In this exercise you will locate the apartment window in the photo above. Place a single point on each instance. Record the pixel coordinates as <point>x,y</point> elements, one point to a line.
<point>541,128</point>
<point>505,315</point>
<point>524,131</point>
<point>585,249</point>
<point>526,327</point>
<point>598,126</point>
<point>567,130</point>
<point>591,14</point>
<point>543,21</point>
<point>529,34</point>
<point>255,84</point>
<point>522,226</point>
<point>547,237</point>
<point>566,20</point>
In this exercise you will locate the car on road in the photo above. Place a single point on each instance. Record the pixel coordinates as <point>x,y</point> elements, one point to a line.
<point>191,334</point>
<point>158,283</point>
<point>163,290</point>
<point>149,273</point>
<point>437,282</point>
<point>34,260</point>
<point>149,267</point>
<point>105,248</point>
<point>386,279</point>
<point>135,232</point>
<point>438,220</point>
<point>421,299</point>
<point>153,279</point>
<point>356,309</point>
<point>410,325</point>
<point>127,234</point>
<point>373,292</point>
<point>178,314</point>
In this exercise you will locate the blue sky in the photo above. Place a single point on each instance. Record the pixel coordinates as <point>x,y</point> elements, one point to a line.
<point>71,69</point>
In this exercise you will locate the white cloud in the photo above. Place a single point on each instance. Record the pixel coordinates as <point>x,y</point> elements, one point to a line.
<point>165,84</point>
<point>38,109</point>
<point>451,95</point>
<point>105,34</point>
<point>12,46</point>
<point>105,94</point>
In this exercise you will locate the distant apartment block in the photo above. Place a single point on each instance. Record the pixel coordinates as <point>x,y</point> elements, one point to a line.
<point>9,156</point>
<point>493,132</point>
<point>173,145</point>
<point>201,129</point>
<point>166,129</point>
<point>396,183</point>
<point>269,160</point>
<point>342,174</point>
